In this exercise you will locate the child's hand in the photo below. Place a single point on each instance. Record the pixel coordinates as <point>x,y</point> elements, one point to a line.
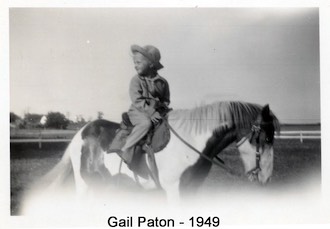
<point>155,118</point>
<point>153,102</point>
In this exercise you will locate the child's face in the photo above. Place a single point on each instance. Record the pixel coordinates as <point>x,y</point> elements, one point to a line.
<point>142,64</point>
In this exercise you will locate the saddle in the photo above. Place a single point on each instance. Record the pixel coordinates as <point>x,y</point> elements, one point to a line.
<point>156,139</point>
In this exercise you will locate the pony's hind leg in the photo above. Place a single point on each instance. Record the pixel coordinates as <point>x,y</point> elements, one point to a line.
<point>75,154</point>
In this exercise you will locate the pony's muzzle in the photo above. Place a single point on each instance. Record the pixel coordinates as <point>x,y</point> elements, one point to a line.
<point>253,175</point>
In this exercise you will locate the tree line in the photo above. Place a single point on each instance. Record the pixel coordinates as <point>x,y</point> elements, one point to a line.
<point>52,120</point>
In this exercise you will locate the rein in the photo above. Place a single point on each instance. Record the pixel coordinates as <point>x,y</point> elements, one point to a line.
<point>221,164</point>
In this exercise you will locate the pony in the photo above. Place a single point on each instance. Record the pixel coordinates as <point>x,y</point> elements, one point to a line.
<point>198,135</point>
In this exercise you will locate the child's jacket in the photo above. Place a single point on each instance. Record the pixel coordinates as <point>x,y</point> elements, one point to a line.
<point>143,90</point>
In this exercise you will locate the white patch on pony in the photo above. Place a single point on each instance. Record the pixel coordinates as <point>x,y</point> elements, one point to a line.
<point>248,155</point>
<point>266,163</point>
<point>180,157</point>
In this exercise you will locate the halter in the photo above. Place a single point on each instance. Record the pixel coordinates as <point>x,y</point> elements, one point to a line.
<point>253,174</point>
<point>256,131</point>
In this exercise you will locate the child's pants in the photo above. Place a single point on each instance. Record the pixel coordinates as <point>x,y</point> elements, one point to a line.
<point>142,124</point>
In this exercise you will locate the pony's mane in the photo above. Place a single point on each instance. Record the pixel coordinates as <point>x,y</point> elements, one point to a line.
<point>219,114</point>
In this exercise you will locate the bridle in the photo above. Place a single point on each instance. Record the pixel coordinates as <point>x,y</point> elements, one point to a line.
<point>257,130</point>
<point>253,173</point>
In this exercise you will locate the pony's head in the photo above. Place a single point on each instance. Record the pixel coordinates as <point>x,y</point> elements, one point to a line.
<point>257,150</point>
<point>251,124</point>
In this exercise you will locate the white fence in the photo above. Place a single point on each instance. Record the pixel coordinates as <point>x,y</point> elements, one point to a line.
<point>300,134</point>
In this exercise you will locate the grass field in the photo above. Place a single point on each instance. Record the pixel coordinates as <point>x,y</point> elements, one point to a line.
<point>27,164</point>
<point>295,164</point>
<point>295,127</point>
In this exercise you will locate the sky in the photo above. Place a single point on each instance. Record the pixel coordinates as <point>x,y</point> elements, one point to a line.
<point>77,60</point>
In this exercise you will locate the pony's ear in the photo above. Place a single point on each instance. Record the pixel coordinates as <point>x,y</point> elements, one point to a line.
<point>265,112</point>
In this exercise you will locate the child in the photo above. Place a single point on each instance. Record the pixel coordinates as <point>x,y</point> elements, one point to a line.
<point>148,92</point>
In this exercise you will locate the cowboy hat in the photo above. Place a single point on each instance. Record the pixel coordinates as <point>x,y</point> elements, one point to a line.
<point>150,52</point>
